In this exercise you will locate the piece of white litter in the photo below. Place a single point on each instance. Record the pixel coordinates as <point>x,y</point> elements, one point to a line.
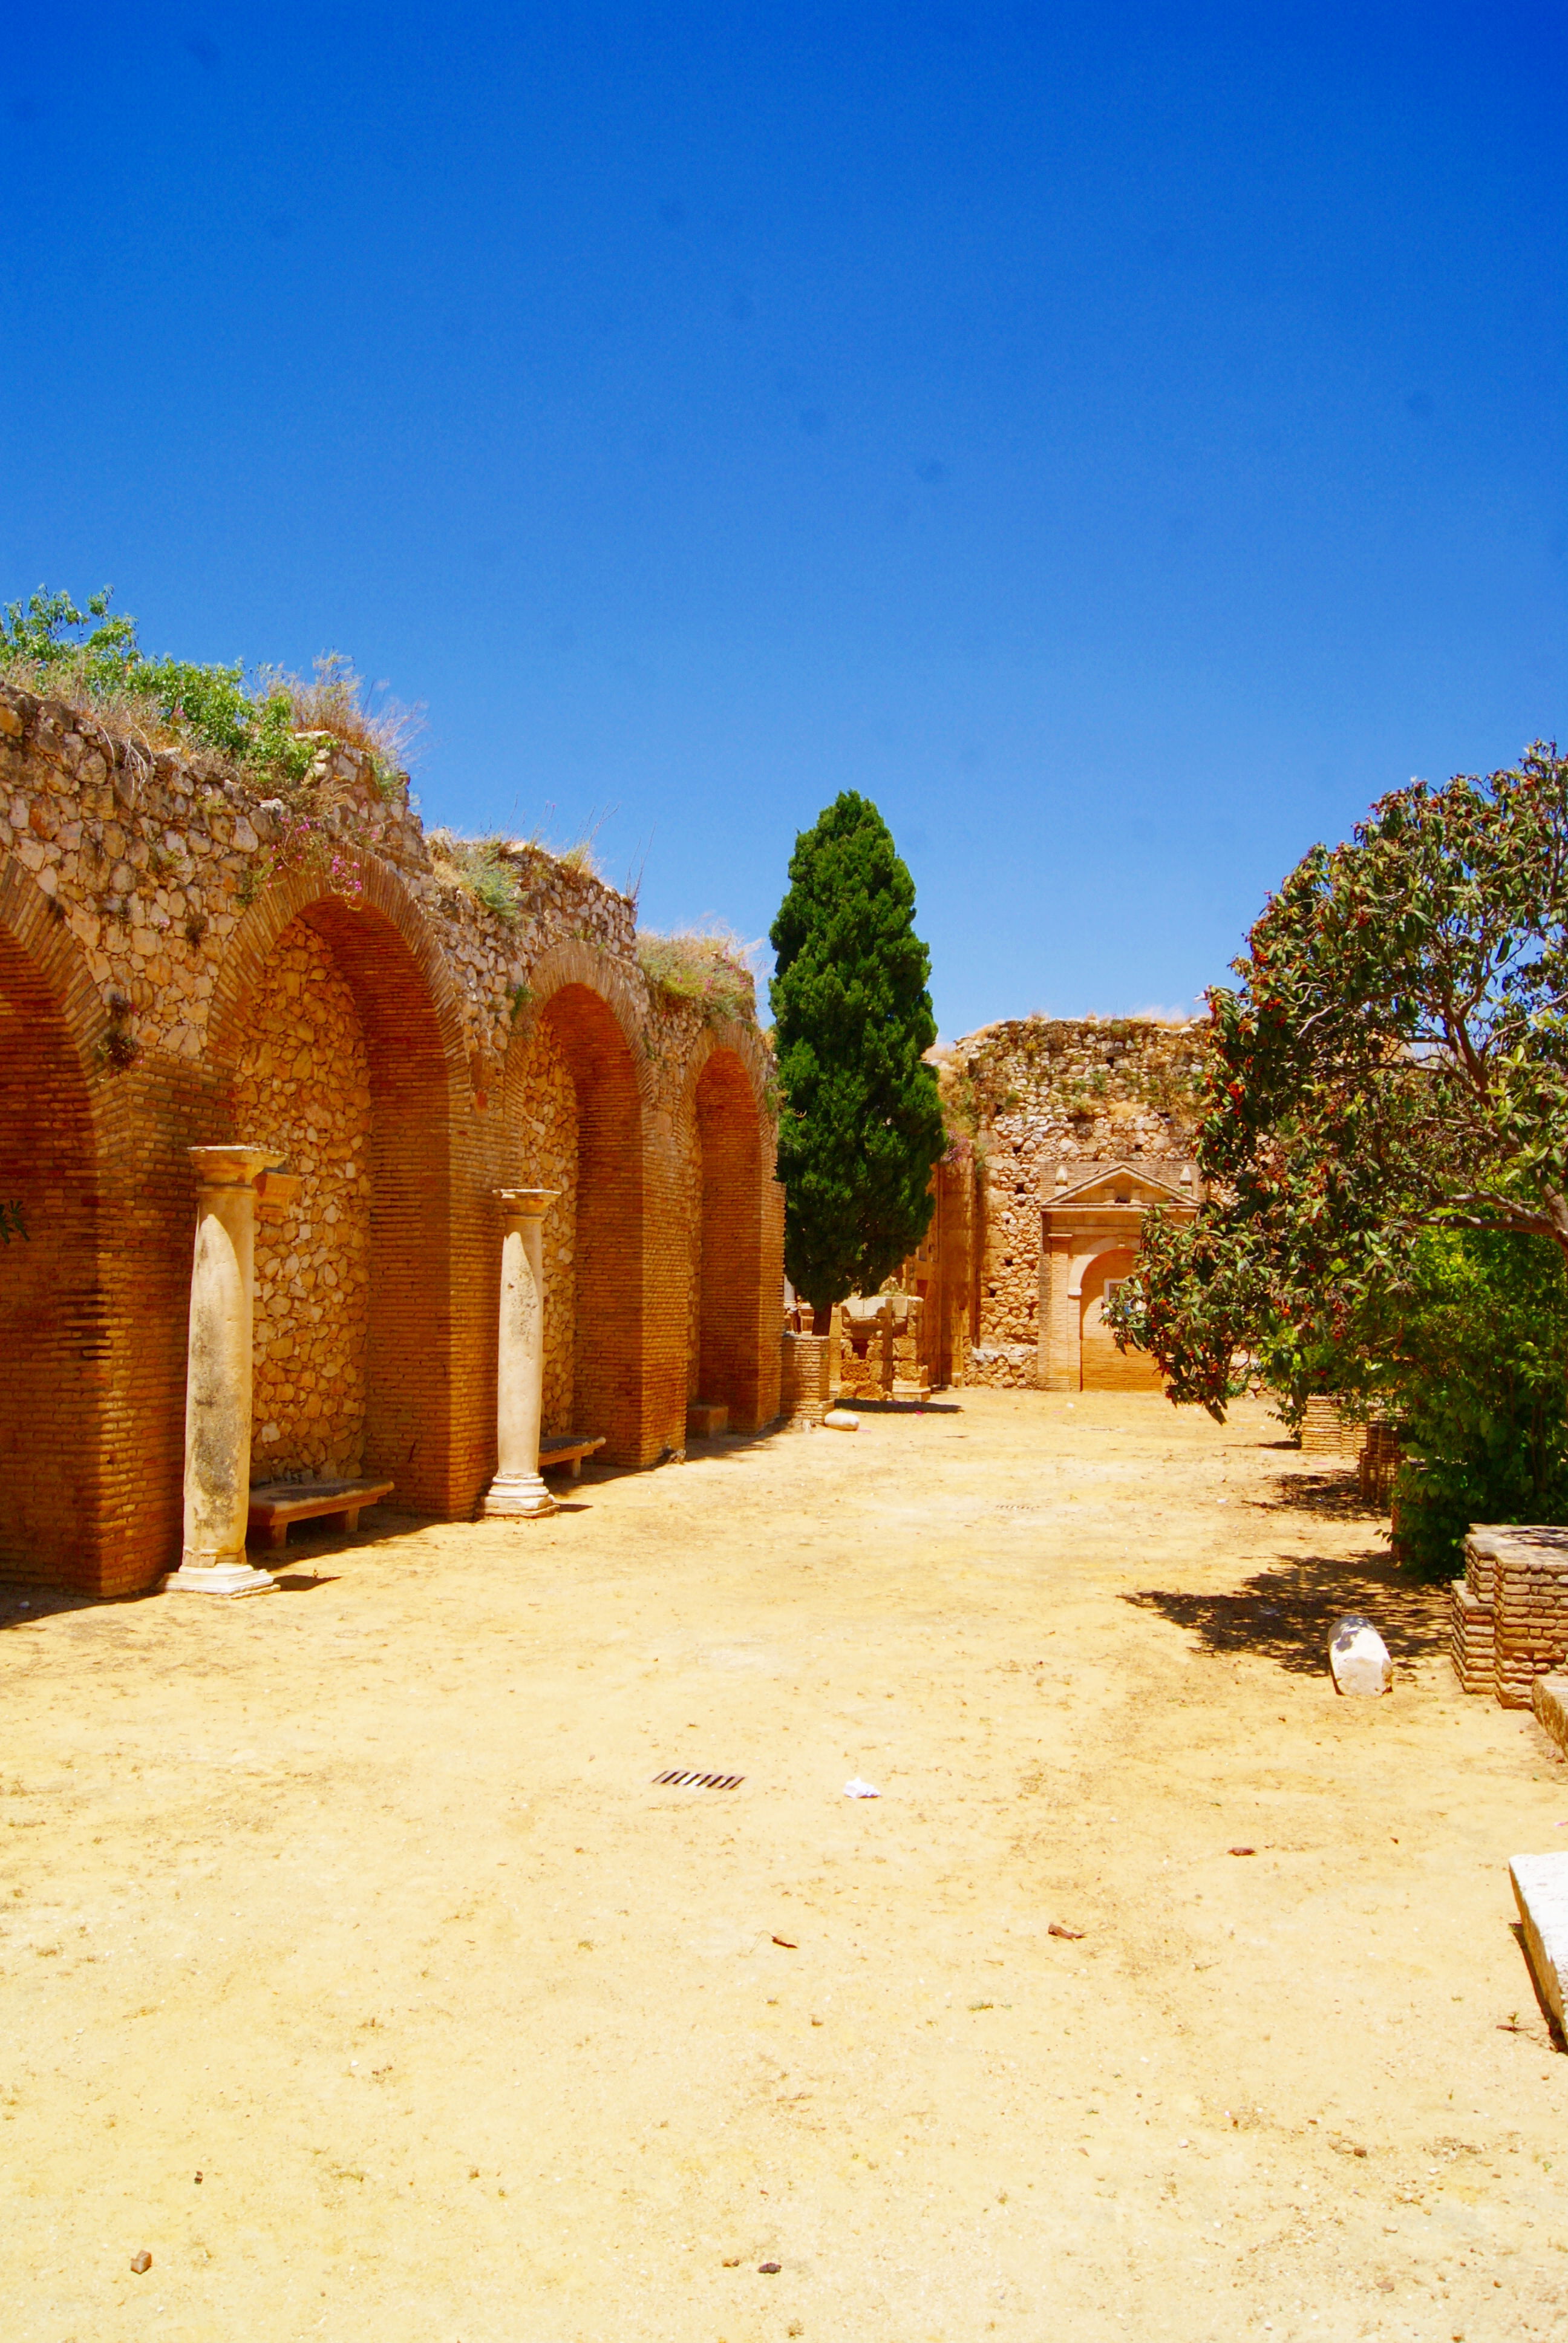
<point>859,1789</point>
<point>1359,1658</point>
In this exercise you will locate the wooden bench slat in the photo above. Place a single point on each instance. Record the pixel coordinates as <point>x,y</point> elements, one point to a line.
<point>273,1504</point>
<point>556,1453</point>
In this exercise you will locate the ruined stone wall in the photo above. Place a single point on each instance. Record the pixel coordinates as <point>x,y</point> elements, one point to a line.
<point>188,962</point>
<point>1043,1095</point>
<point>154,859</point>
<point>303,1088</point>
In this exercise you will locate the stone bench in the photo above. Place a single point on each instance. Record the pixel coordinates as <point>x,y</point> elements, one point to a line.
<point>275,1504</point>
<point>553,1454</point>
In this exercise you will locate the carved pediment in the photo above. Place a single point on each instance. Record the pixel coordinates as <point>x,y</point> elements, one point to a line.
<point>1118,1183</point>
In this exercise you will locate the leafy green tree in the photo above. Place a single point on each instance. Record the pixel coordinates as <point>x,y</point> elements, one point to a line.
<point>1394,1059</point>
<point>1469,1350</point>
<point>861,1125</point>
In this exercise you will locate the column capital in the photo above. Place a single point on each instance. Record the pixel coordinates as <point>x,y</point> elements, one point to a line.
<point>531,1203</point>
<point>232,1167</point>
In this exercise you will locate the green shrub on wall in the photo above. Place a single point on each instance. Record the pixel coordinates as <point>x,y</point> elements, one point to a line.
<point>272,727</point>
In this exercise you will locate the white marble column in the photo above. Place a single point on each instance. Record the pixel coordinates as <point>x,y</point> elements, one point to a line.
<point>518,1488</point>
<point>218,1377</point>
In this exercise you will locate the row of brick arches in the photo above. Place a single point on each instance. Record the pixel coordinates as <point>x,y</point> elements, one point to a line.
<point>331,1042</point>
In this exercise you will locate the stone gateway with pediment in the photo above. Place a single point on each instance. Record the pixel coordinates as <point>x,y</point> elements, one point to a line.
<point>1090,1235</point>
<point>1065,1134</point>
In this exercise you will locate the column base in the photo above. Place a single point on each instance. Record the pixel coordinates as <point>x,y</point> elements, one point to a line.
<point>218,1578</point>
<point>517,1496</point>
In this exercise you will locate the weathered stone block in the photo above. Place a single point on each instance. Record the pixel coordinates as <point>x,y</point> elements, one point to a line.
<point>1550,1699</point>
<point>1541,1891</point>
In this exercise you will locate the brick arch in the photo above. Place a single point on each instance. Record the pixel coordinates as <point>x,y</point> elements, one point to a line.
<point>29,918</point>
<point>384,902</point>
<point>54,1314</point>
<point>726,1109</point>
<point>414,1045</point>
<point>743,1042</point>
<point>590,1019</point>
<point>570,964</point>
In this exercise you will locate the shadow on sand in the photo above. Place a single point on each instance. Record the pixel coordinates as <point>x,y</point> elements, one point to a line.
<point>1286,1612</point>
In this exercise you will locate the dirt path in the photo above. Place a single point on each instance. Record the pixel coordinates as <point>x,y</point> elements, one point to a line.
<point>358,1903</point>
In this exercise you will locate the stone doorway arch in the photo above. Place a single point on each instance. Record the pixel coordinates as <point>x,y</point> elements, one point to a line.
<point>1104,1367</point>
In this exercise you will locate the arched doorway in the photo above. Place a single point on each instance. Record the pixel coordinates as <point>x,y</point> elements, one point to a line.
<point>724,1365</point>
<point>339,1067</point>
<point>1105,1367</point>
<point>574,1123</point>
<point>53,1334</point>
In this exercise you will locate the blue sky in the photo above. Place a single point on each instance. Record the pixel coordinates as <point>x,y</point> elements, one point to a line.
<point>1121,442</point>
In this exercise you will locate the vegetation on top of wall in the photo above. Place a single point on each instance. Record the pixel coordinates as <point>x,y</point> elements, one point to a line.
<point>272,724</point>
<point>479,867</point>
<point>709,969</point>
<point>956,1086</point>
<point>1071,1065</point>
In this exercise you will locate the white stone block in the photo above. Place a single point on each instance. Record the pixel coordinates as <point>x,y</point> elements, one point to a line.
<point>838,1419</point>
<point>1359,1658</point>
<point>1541,1891</point>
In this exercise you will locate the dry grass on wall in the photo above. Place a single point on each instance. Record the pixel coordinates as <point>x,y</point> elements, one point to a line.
<point>312,1268</point>
<point>542,1138</point>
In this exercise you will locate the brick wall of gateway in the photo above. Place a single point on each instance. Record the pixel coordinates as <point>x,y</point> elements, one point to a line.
<point>182,963</point>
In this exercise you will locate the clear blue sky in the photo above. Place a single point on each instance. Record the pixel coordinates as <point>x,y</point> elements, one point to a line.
<point>1121,440</point>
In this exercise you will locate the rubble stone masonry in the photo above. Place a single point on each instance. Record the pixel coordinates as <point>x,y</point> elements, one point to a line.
<point>313,1262</point>
<point>185,961</point>
<point>1048,1102</point>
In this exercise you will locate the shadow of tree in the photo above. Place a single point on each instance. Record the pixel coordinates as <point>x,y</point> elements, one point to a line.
<point>1287,1612</point>
<point>1329,1496</point>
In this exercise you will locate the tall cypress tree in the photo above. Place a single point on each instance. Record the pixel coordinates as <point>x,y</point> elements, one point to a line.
<point>861,1126</point>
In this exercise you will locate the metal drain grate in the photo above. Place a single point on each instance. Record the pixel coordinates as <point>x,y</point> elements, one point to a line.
<point>677,1779</point>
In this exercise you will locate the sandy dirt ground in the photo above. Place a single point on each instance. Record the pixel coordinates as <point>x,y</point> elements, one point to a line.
<point>355,1968</point>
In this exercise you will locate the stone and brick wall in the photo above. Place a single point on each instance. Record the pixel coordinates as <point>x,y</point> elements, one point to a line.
<point>185,960</point>
<point>1509,1619</point>
<point>1038,1105</point>
<point>313,1262</point>
<point>542,1124</point>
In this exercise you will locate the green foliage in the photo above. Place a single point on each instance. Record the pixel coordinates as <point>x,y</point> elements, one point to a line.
<point>478,865</point>
<point>47,645</point>
<point>1472,1356</point>
<point>861,1128</point>
<point>708,970</point>
<point>1394,1059</point>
